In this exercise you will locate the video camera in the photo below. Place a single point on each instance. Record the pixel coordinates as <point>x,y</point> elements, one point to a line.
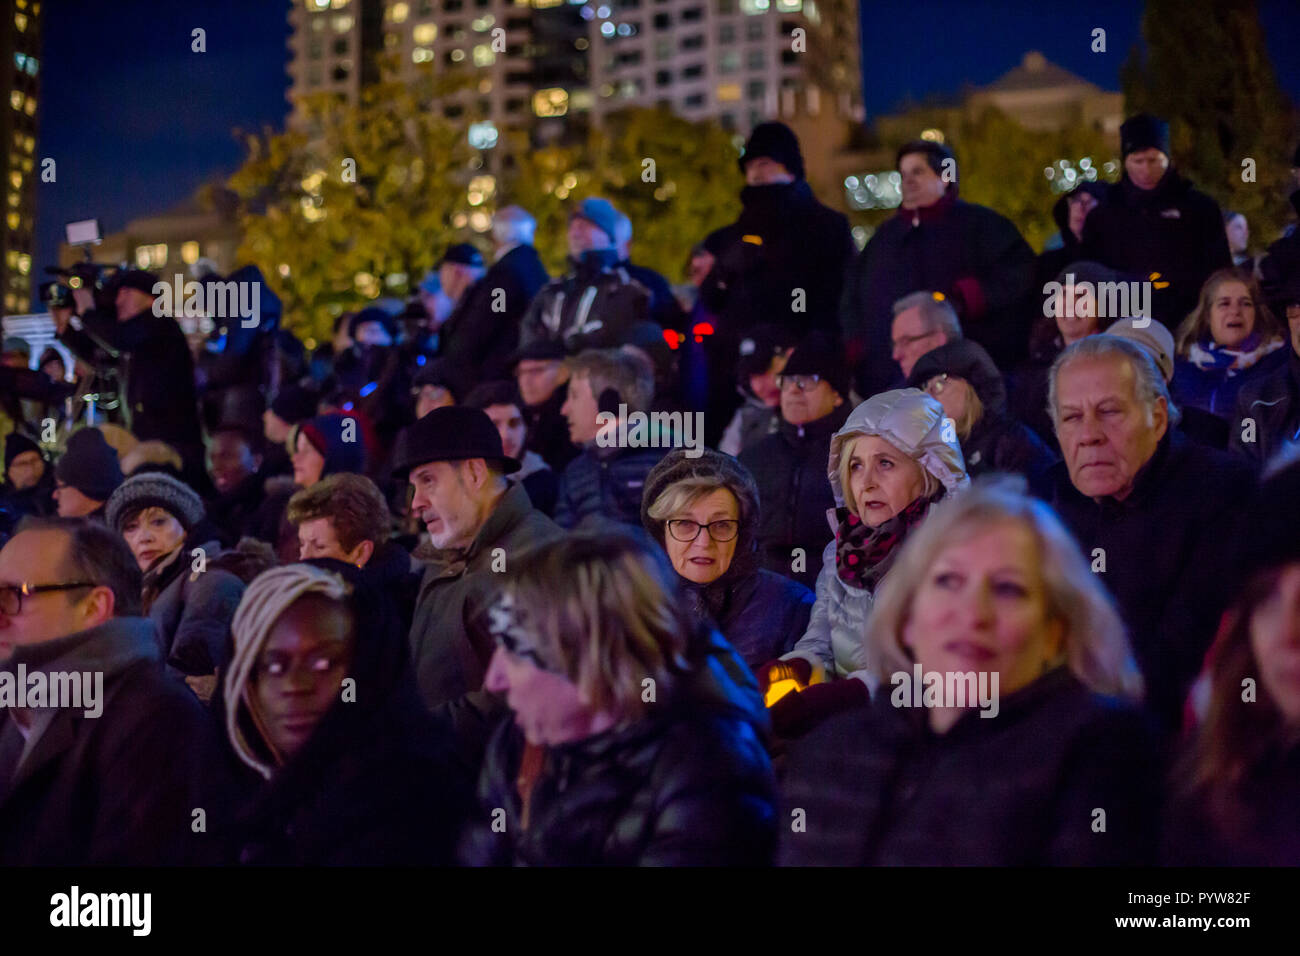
<point>92,275</point>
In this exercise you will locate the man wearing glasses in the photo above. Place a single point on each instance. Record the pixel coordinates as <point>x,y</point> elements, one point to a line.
<point>923,321</point>
<point>789,466</point>
<point>119,784</point>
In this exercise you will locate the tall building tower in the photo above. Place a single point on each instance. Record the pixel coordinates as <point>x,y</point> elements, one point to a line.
<point>733,60</point>
<point>20,47</point>
<point>333,47</point>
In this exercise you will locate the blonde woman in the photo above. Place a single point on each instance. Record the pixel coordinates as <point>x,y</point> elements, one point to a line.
<point>890,462</point>
<point>998,736</point>
<point>638,734</point>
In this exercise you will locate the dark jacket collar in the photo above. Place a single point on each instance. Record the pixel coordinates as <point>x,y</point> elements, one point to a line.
<point>817,429</point>
<point>933,212</point>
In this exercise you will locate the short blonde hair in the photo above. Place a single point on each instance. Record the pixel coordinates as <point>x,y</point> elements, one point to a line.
<point>1096,648</point>
<point>680,495</point>
<point>932,484</point>
<point>604,610</point>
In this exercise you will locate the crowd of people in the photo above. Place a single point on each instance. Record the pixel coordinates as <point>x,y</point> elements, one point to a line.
<point>954,568</point>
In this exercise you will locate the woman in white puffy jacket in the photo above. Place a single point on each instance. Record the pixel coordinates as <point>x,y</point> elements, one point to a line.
<point>893,459</point>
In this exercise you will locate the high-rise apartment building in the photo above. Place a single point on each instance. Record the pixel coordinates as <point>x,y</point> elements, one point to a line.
<point>20,48</point>
<point>739,61</point>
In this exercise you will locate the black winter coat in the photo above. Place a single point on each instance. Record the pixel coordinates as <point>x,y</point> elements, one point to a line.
<point>548,431</point>
<point>483,329</point>
<point>784,240</point>
<point>761,614</point>
<point>1164,548</point>
<point>794,493</point>
<point>118,789</point>
<point>158,370</point>
<point>932,249</point>
<point>880,788</point>
<point>1272,404</point>
<point>605,484</point>
<point>235,513</point>
<point>1174,229</point>
<point>664,308</point>
<point>377,783</point>
<point>690,784</point>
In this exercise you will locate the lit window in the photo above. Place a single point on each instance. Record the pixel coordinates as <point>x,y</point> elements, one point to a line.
<point>189,252</point>
<point>16,178</point>
<point>314,5</point>
<point>398,12</point>
<point>421,54</point>
<point>483,55</point>
<point>340,4</point>
<point>551,102</point>
<point>789,6</point>
<point>30,106</point>
<point>483,24</point>
<point>425,32</point>
<point>20,21</point>
<point>16,99</point>
<point>728,92</point>
<point>342,23</point>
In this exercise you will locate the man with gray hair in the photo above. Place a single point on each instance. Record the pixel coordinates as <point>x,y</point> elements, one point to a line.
<point>484,330</point>
<point>922,321</point>
<point>1150,508</point>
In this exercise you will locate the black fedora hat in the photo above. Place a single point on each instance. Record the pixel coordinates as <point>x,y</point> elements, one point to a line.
<point>453,433</point>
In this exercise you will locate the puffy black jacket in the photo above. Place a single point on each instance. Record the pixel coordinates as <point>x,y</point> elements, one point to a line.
<point>1174,229</point>
<point>1164,549</point>
<point>880,788</point>
<point>784,240</point>
<point>789,468</point>
<point>1272,405</point>
<point>605,483</point>
<point>688,785</point>
<point>948,246</point>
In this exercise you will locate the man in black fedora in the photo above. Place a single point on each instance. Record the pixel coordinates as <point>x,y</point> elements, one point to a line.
<point>477,523</point>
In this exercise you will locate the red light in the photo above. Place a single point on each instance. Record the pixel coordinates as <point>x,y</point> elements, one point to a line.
<point>703,328</point>
<point>671,338</point>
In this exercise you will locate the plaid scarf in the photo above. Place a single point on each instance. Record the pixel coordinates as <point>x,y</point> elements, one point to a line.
<point>864,554</point>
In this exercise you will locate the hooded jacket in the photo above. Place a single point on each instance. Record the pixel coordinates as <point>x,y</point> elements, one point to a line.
<point>193,611</point>
<point>1272,403</point>
<point>688,785</point>
<point>761,614</point>
<point>120,788</point>
<point>1174,229</point>
<point>789,469</point>
<point>376,783</point>
<point>912,422</point>
<point>1052,261</point>
<point>997,442</point>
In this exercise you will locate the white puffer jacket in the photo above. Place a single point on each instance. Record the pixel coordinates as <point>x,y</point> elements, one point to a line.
<point>912,422</point>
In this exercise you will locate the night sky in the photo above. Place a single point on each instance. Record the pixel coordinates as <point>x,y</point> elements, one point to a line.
<point>136,121</point>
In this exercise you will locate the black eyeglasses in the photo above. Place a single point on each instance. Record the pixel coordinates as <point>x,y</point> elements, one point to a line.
<point>801,382</point>
<point>686,530</point>
<point>11,595</point>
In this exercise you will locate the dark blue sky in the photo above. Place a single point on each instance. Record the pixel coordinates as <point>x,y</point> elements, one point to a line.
<point>136,120</point>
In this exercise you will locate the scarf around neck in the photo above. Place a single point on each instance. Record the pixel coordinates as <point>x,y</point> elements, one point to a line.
<point>863,554</point>
<point>1210,355</point>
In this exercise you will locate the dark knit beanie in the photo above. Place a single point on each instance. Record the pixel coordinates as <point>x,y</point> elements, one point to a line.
<point>936,154</point>
<point>818,355</point>
<point>759,346</point>
<point>444,373</point>
<point>1143,131</point>
<point>328,434</point>
<point>137,279</point>
<point>373,314</point>
<point>486,394</point>
<point>154,489</point>
<point>294,404</point>
<point>90,465</point>
<point>776,141</point>
<point>15,445</point>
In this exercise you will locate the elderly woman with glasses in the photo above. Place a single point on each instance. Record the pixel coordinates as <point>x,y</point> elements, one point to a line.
<point>963,379</point>
<point>890,462</point>
<point>704,512</point>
